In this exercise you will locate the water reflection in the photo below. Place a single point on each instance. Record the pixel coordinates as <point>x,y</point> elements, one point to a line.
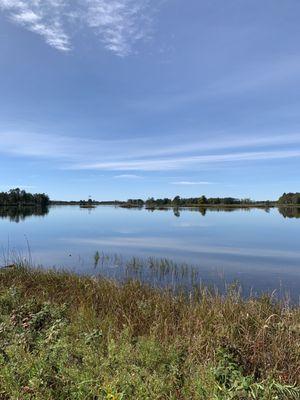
<point>257,247</point>
<point>176,212</point>
<point>286,212</point>
<point>203,210</point>
<point>290,212</point>
<point>18,214</point>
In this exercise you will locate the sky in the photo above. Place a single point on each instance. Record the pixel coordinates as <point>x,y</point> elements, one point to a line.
<point>118,99</point>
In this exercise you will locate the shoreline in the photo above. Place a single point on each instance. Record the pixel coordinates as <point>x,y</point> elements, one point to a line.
<point>154,207</point>
<point>186,207</point>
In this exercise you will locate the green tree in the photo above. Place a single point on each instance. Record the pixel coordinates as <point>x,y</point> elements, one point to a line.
<point>202,200</point>
<point>176,201</point>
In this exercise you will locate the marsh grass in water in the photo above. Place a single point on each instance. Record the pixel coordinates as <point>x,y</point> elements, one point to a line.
<point>166,273</point>
<point>152,270</point>
<point>64,336</point>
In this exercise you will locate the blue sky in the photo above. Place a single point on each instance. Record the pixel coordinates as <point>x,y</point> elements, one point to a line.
<point>134,98</point>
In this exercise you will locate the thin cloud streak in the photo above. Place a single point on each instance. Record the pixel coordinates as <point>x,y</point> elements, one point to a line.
<point>63,148</point>
<point>70,147</point>
<point>218,142</point>
<point>185,162</point>
<point>127,176</point>
<point>191,183</point>
<point>130,154</point>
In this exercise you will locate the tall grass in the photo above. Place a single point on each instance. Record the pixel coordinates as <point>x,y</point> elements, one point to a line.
<point>64,336</point>
<point>154,271</point>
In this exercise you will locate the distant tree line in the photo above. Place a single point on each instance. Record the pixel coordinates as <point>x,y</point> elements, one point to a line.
<point>289,198</point>
<point>88,202</point>
<point>135,202</point>
<point>177,201</point>
<point>18,197</point>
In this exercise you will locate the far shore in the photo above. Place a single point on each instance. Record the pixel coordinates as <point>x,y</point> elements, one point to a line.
<point>21,199</point>
<point>156,207</point>
<point>222,206</point>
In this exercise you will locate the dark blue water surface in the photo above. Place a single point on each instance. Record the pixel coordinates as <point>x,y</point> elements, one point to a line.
<point>259,248</point>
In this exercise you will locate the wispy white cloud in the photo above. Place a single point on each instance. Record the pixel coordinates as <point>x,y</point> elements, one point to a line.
<point>186,162</point>
<point>191,183</point>
<point>42,17</point>
<point>144,154</point>
<point>132,150</point>
<point>60,147</point>
<point>172,244</point>
<point>119,24</point>
<point>127,176</point>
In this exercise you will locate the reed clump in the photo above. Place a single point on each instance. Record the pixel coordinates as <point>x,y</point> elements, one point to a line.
<point>64,336</point>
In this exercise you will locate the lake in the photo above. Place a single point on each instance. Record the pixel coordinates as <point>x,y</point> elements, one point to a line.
<point>257,247</point>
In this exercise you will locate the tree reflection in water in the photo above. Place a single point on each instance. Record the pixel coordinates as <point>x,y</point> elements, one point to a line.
<point>289,212</point>
<point>18,214</point>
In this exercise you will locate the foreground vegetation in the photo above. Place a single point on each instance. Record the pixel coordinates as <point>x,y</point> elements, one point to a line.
<point>68,337</point>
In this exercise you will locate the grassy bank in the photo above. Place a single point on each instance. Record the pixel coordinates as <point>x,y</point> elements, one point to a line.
<point>69,337</point>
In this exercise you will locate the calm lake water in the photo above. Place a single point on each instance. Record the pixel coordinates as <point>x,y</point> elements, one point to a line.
<point>259,248</point>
